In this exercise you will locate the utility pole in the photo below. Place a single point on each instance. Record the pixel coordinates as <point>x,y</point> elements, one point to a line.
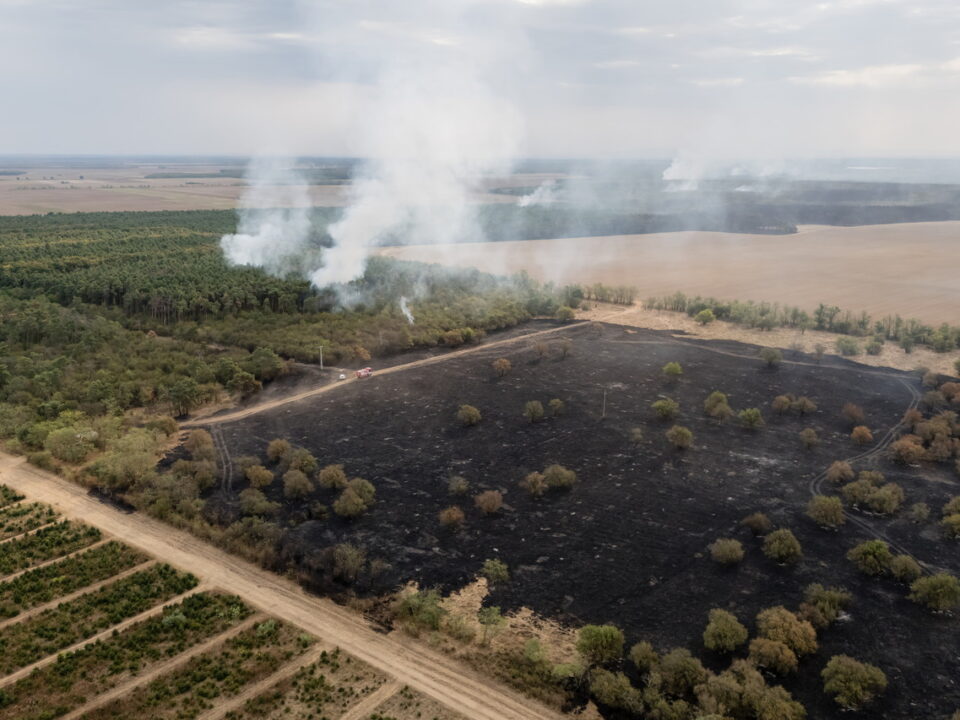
<point>603,413</point>
<point>321,357</point>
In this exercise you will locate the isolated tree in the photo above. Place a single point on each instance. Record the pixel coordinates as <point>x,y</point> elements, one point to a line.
<point>533,411</point>
<point>457,485</point>
<point>852,683</point>
<point>724,633</point>
<point>557,407</point>
<point>296,485</point>
<point>557,476</point>
<point>809,438</point>
<point>705,316</point>
<point>672,371</point>
<point>713,399</point>
<point>349,504</point>
<point>853,414</point>
<point>821,605</point>
<point>773,655</point>
<point>771,356</point>
<point>600,644</point>
<point>468,415</point>
<point>259,476</point>
<point>495,571</point>
<point>861,435</point>
<point>872,557</point>
<point>680,437</point>
<point>681,672</point>
<point>778,623</point>
<point>758,523</point>
<point>502,366</point>
<point>666,408</point>
<point>940,592</point>
<point>905,569</point>
<point>826,511</point>
<point>535,484</point>
<point>277,449</point>
<point>840,471</point>
<point>750,418</point>
<point>726,551</point>
<point>781,404</point>
<point>489,501</point>
<point>451,517</point>
<point>782,546</point>
<point>490,618</point>
<point>332,477</point>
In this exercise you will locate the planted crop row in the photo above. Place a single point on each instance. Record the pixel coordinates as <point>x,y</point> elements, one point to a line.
<point>324,689</point>
<point>190,690</point>
<point>69,623</point>
<point>8,496</point>
<point>23,518</point>
<point>75,677</point>
<point>51,542</point>
<point>39,586</point>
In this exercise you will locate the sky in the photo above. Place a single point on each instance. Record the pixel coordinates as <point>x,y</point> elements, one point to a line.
<point>566,78</point>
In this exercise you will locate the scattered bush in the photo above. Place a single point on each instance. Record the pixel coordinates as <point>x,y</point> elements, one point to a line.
<point>847,346</point>
<point>680,437</point>
<point>489,501</point>
<point>468,415</point>
<point>502,366</point>
<point>332,477</point>
<point>771,356</point>
<point>852,683</point>
<point>861,435</point>
<point>557,476</point>
<point>557,407</point>
<point>872,557</point>
<point>758,523</point>
<point>259,476</point>
<point>853,414</point>
<point>750,418</point>
<point>254,502</point>
<point>782,546</point>
<point>535,484</point>
<point>726,551</point>
<point>666,409</point>
<point>821,605</point>
<point>276,449</point>
<point>458,485</point>
<point>886,500</point>
<point>349,504</point>
<point>533,411</point>
<point>296,485</point>
<point>724,633</point>
<point>299,459</point>
<point>804,405</point>
<point>905,569</point>
<point>840,471</point>
<point>778,623</point>
<point>781,404</point>
<point>773,655</point>
<point>672,371</point>
<point>600,644</point>
<point>940,592</point>
<point>919,512</point>
<point>495,571</point>
<point>451,517</point>
<point>644,657</point>
<point>717,406</point>
<point>705,316</point>
<point>826,511</point>
<point>636,435</point>
<point>951,526</point>
<point>681,672</point>
<point>420,610</point>
<point>809,438</point>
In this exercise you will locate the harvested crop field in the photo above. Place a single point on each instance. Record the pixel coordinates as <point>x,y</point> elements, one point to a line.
<point>628,543</point>
<point>884,269</point>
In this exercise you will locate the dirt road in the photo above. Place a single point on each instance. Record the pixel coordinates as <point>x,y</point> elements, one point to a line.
<point>255,409</point>
<point>403,659</point>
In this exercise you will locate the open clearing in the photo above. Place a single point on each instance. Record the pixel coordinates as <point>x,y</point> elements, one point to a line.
<point>907,268</point>
<point>628,544</point>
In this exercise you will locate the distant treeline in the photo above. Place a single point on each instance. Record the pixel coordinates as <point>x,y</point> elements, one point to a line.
<point>225,172</point>
<point>830,318</point>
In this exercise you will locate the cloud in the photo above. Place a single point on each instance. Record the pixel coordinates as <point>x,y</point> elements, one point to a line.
<point>617,64</point>
<point>719,82</point>
<point>875,76</point>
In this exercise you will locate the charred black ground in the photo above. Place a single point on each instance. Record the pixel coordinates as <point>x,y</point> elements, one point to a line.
<point>627,545</point>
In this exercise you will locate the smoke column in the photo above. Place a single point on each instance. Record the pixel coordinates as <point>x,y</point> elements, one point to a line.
<point>406,310</point>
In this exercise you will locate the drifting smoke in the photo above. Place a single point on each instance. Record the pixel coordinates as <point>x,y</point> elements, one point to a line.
<point>546,194</point>
<point>406,310</point>
<point>274,221</point>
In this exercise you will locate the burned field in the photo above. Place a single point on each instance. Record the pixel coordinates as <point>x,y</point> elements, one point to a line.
<point>628,543</point>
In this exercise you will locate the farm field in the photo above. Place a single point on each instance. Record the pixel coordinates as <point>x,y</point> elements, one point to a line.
<point>904,268</point>
<point>628,544</point>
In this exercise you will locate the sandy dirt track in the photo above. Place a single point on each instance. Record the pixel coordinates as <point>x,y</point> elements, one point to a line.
<point>396,655</point>
<point>907,268</point>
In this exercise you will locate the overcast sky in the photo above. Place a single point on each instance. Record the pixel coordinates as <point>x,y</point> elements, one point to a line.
<point>704,78</point>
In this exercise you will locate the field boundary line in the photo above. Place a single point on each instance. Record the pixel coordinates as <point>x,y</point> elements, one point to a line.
<point>25,533</point>
<point>119,627</point>
<point>372,701</point>
<point>29,613</point>
<point>45,563</point>
<point>264,684</point>
<point>161,668</point>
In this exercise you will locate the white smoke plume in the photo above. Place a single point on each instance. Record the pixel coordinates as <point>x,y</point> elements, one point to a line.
<point>274,221</point>
<point>545,194</point>
<point>406,310</point>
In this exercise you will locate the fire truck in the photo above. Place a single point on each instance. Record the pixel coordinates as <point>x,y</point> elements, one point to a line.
<point>364,372</point>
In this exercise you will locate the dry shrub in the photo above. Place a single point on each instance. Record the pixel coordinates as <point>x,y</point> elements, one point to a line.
<point>451,517</point>
<point>489,501</point>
